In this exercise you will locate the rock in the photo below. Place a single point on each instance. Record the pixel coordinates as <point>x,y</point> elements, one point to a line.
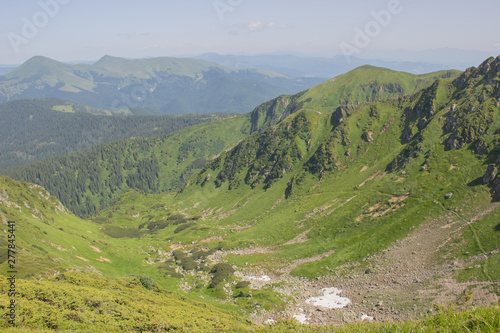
<point>368,136</point>
<point>379,304</point>
<point>339,115</point>
<point>448,196</point>
<point>489,175</point>
<point>449,124</point>
<point>451,143</point>
<point>348,153</point>
<point>368,271</point>
<point>421,124</point>
<point>407,135</point>
<point>479,148</point>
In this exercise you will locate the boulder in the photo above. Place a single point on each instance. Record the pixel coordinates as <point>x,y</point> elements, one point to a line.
<point>489,175</point>
<point>407,135</point>
<point>421,124</point>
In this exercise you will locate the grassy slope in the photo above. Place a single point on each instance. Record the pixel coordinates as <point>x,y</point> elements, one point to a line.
<point>69,295</point>
<point>55,248</point>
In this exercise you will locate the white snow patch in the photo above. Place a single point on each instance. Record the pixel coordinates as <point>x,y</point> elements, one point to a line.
<point>366,317</point>
<point>264,278</point>
<point>301,318</point>
<point>330,299</point>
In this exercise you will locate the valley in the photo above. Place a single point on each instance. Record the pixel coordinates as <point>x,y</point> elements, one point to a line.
<point>381,184</point>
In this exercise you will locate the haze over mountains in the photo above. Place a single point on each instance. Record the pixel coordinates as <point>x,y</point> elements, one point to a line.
<point>153,86</point>
<point>326,67</point>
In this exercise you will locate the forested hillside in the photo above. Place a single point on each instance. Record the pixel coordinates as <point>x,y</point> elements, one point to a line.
<point>36,129</point>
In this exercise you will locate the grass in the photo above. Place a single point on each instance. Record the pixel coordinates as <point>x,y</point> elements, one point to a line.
<point>482,319</point>
<point>447,320</point>
<point>78,301</point>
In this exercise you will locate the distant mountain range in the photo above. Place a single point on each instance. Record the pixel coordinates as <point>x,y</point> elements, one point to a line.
<point>154,86</point>
<point>296,65</point>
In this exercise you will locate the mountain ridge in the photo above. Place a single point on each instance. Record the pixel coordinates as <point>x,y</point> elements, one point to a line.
<point>169,85</point>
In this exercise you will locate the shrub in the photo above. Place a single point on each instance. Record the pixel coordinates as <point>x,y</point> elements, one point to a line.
<point>158,225</point>
<point>175,217</point>
<point>221,272</point>
<point>117,232</point>
<point>183,227</point>
<point>101,220</point>
<point>242,284</point>
<point>147,282</point>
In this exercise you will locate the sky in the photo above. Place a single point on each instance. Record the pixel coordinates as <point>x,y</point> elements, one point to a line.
<point>86,30</point>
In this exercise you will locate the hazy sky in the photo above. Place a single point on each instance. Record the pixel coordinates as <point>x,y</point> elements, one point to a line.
<point>88,29</point>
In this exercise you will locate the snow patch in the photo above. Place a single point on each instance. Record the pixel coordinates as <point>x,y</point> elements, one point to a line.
<point>330,299</point>
<point>264,278</point>
<point>301,318</point>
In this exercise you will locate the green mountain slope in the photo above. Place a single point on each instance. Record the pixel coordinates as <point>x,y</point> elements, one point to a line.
<point>72,276</point>
<point>362,156</point>
<point>407,183</point>
<point>36,129</point>
<point>60,261</point>
<point>165,164</point>
<point>157,85</point>
<point>363,84</point>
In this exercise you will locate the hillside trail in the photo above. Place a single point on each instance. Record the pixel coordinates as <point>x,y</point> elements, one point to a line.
<point>401,282</point>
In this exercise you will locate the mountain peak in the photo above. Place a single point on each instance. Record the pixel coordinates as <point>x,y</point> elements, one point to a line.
<point>107,59</point>
<point>42,61</point>
<point>489,64</point>
<point>36,67</point>
<point>488,68</point>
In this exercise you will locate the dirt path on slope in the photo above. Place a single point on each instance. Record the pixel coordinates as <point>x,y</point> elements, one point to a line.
<point>403,281</point>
